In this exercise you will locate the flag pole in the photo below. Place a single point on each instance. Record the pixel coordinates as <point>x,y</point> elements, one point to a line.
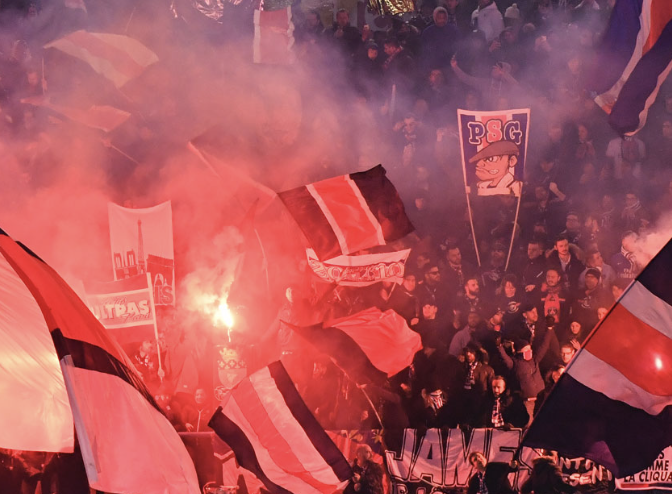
<point>473,231</point>
<point>156,327</point>
<point>513,231</point>
<point>361,388</point>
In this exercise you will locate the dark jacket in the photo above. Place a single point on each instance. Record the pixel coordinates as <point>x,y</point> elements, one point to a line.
<point>511,407</point>
<point>527,372</point>
<point>496,479</point>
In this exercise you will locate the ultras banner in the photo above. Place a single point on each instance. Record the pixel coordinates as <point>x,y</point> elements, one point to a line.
<point>142,242</point>
<point>494,148</point>
<point>124,307</point>
<point>363,270</point>
<point>657,476</point>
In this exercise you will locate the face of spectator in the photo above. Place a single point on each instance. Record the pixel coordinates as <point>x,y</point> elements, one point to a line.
<point>494,167</point>
<point>630,200</point>
<point>312,20</point>
<point>595,260</point>
<point>409,282</point>
<point>616,292</point>
<point>473,319</point>
<point>441,19</point>
<point>429,311</point>
<point>531,316</point>
<point>497,319</point>
<point>422,260</point>
<point>391,49</point>
<point>472,287</point>
<point>451,5</point>
<point>363,455</point>
<point>575,328</point>
<point>563,247</point>
<point>533,251</point>
<point>433,276</point>
<point>552,278</point>
<point>566,353</point>
<point>509,289</point>
<point>454,256</point>
<point>200,396</point>
<point>555,133</point>
<point>436,78</point>
<point>498,387</point>
<point>607,203</point>
<point>470,356</point>
<point>572,223</point>
<point>591,282</point>
<point>478,461</point>
<point>372,53</point>
<point>342,19</point>
<point>583,133</point>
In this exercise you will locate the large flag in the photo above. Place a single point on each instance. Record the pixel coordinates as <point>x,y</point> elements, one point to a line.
<point>142,242</point>
<point>105,118</point>
<point>124,307</point>
<point>613,404</point>
<point>370,345</point>
<point>274,435</point>
<point>494,148</point>
<point>343,215</point>
<point>633,61</point>
<point>273,37</point>
<point>363,270</point>
<point>114,56</point>
<point>127,443</point>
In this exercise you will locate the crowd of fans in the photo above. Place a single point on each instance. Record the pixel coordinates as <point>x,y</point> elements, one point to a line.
<point>501,306</point>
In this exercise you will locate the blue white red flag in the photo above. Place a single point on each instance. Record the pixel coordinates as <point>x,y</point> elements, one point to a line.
<point>613,405</point>
<point>633,61</point>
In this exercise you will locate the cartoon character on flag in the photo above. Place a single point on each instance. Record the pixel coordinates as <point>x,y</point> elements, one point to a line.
<point>493,149</point>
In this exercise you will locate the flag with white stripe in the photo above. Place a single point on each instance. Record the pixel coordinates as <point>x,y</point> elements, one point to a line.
<point>343,215</point>
<point>114,56</point>
<point>633,61</point>
<point>613,404</point>
<point>274,435</point>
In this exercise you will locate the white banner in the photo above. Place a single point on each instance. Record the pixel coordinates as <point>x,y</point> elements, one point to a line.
<point>363,270</point>
<point>142,242</point>
<point>657,476</point>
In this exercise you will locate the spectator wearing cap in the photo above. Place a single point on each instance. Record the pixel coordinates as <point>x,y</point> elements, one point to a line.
<point>594,260</point>
<point>589,299</point>
<point>524,364</point>
<point>437,42</point>
<point>437,407</point>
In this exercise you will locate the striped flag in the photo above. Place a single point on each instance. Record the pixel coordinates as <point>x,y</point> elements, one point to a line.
<point>114,56</point>
<point>128,445</point>
<point>371,344</point>
<point>274,435</point>
<point>613,404</point>
<point>343,215</point>
<point>103,117</point>
<point>273,37</point>
<point>633,61</point>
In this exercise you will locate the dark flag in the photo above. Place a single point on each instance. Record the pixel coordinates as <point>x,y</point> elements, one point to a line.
<point>343,215</point>
<point>613,404</point>
<point>274,435</point>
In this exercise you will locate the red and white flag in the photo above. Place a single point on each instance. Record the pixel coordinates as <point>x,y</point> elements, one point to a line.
<point>127,443</point>
<point>274,435</point>
<point>343,215</point>
<point>105,118</point>
<point>142,242</point>
<point>114,56</point>
<point>273,37</point>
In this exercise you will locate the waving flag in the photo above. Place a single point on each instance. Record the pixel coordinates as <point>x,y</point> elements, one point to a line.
<point>114,56</point>
<point>127,444</point>
<point>633,61</point>
<point>613,404</point>
<point>371,344</point>
<point>273,37</point>
<point>274,435</point>
<point>342,215</point>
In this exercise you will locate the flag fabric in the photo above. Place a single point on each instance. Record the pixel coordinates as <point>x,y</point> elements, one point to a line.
<point>116,57</point>
<point>343,215</point>
<point>362,270</point>
<point>371,344</point>
<point>273,37</point>
<point>494,150</point>
<point>128,445</point>
<point>124,307</point>
<point>105,118</point>
<point>274,435</point>
<point>142,242</point>
<point>634,59</point>
<point>613,404</point>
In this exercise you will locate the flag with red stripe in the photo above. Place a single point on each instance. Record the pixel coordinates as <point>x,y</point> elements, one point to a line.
<point>614,403</point>
<point>273,36</point>
<point>370,345</point>
<point>343,215</point>
<point>105,118</point>
<point>114,56</point>
<point>127,443</point>
<point>633,61</point>
<point>274,435</point>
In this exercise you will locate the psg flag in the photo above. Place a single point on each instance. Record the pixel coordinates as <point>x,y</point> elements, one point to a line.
<point>613,404</point>
<point>343,215</point>
<point>58,367</point>
<point>274,435</point>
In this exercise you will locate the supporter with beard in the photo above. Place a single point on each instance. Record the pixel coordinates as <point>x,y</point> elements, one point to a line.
<point>502,408</point>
